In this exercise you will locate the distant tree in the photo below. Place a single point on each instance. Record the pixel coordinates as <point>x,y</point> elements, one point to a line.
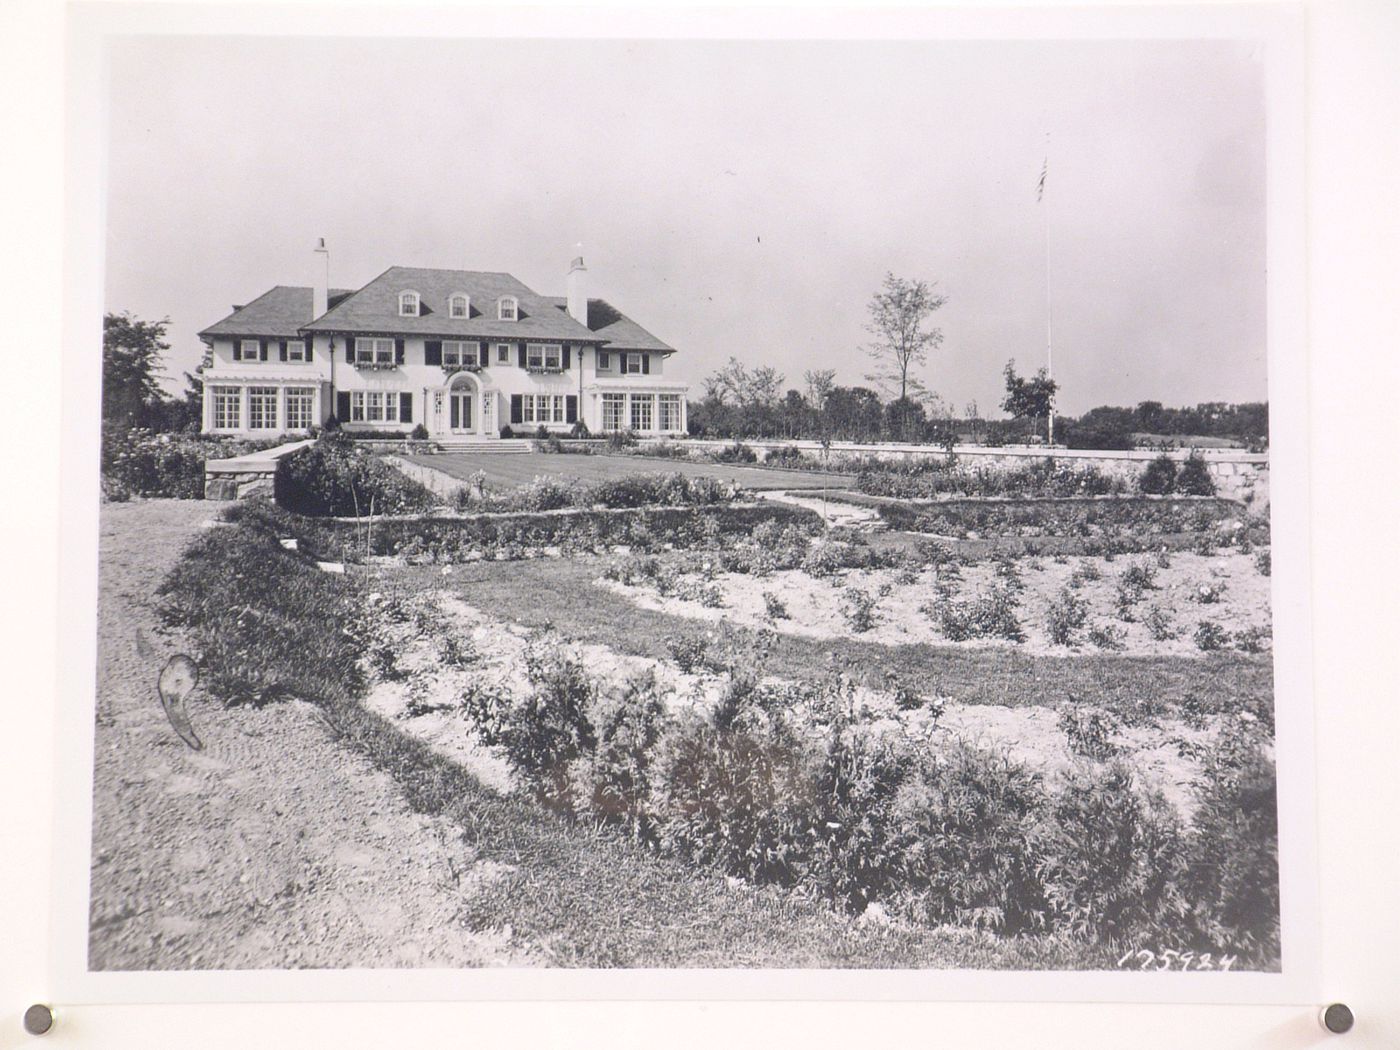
<point>904,420</point>
<point>1030,399</point>
<point>1150,417</point>
<point>898,313</point>
<point>853,413</point>
<point>132,354</point>
<point>820,382</point>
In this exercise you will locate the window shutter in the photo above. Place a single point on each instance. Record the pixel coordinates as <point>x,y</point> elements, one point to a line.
<point>405,407</point>
<point>571,408</point>
<point>566,357</point>
<point>309,340</point>
<point>520,351</point>
<point>349,350</point>
<point>516,408</point>
<point>282,349</point>
<point>342,406</point>
<point>646,364</point>
<point>398,351</point>
<point>262,349</point>
<point>432,352</point>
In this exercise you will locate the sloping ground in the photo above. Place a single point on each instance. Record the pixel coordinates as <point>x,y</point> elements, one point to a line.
<point>272,847</point>
<point>512,471</point>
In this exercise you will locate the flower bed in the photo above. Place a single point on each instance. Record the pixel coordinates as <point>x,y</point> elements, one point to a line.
<point>634,490</point>
<point>335,476</point>
<point>447,540</point>
<point>170,466</point>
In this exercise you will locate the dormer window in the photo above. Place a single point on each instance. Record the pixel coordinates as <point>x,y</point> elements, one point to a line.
<point>507,309</point>
<point>459,306</point>
<point>408,304</point>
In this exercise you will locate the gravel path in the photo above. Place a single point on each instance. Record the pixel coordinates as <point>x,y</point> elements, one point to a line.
<point>271,848</point>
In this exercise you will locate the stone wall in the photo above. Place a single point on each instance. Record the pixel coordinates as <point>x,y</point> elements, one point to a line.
<point>1237,474</point>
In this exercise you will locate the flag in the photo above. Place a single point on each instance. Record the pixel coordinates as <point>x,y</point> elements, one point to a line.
<point>1044,171</point>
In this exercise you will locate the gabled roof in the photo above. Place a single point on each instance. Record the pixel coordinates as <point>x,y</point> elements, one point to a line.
<point>375,308</point>
<point>281,312</point>
<point>622,333</point>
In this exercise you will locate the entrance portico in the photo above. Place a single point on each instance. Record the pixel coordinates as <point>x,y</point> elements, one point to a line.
<point>461,407</point>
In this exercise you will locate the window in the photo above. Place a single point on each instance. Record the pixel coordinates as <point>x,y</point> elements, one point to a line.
<point>641,413</point>
<point>502,353</point>
<point>459,306</point>
<point>613,405</point>
<point>296,350</point>
<point>634,364</point>
<point>507,309</point>
<point>408,304</point>
<point>668,413</point>
<point>374,351</point>
<point>262,408</point>
<point>247,350</point>
<point>374,406</point>
<point>604,360</point>
<point>542,408</point>
<point>544,355</point>
<point>299,400</point>
<point>460,355</point>
<point>227,401</point>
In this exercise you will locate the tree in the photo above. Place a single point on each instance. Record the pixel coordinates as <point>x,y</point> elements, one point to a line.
<point>1031,399</point>
<point>132,352</point>
<point>820,382</point>
<point>897,315</point>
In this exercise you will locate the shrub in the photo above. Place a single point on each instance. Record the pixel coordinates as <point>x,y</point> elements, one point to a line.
<point>1064,615</point>
<point>1193,479</point>
<point>688,652</point>
<point>1263,561</point>
<point>1209,593</point>
<point>1210,636</point>
<point>620,769</point>
<point>1232,871</point>
<point>859,609</point>
<point>1159,624</point>
<point>1158,478</point>
<point>334,477</point>
<point>1113,854</point>
<point>1088,731</point>
<point>507,432</point>
<point>171,466</point>
<point>1084,572</point>
<point>738,452</point>
<point>989,615</point>
<point>968,816</point>
<point>774,607</point>
<point>419,433</point>
<point>1252,639</point>
<point>1106,636</point>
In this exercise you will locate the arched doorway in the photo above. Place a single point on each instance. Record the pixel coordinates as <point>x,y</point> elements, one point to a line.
<point>463,405</point>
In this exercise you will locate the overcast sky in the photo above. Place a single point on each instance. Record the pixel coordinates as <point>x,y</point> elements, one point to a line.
<point>733,198</point>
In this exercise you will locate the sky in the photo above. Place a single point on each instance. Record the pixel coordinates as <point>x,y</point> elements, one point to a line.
<point>739,198</point>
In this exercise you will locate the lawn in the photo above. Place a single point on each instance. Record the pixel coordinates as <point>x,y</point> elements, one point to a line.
<point>510,471</point>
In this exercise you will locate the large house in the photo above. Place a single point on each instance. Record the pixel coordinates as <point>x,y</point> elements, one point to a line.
<point>468,355</point>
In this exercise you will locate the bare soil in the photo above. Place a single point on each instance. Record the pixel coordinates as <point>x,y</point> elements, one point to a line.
<point>274,847</point>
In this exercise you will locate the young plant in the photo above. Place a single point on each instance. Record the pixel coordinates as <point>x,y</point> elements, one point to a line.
<point>774,607</point>
<point>1088,731</point>
<point>1065,614</point>
<point>859,609</point>
<point>1210,636</point>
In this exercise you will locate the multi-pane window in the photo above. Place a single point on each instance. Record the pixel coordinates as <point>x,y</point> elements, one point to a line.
<point>668,411</point>
<point>262,408</point>
<point>502,353</point>
<point>507,309</point>
<point>634,364</point>
<point>247,350</point>
<point>458,306</point>
<point>374,351</point>
<point>542,408</point>
<point>544,355</point>
<point>408,304</point>
<point>374,406</point>
<point>641,413</point>
<point>299,399</point>
<point>296,350</point>
<point>456,354</point>
<point>227,402</point>
<point>613,407</point>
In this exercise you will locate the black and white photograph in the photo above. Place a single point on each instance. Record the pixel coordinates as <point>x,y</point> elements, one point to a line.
<point>688,504</point>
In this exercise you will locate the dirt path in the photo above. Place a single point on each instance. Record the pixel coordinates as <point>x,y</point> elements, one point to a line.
<point>273,847</point>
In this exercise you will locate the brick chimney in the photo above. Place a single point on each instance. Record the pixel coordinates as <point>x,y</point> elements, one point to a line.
<point>321,283</point>
<point>577,291</point>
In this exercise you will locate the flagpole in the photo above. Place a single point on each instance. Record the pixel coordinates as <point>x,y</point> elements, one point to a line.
<point>1049,318</point>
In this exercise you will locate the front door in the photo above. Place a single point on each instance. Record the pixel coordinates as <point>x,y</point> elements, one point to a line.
<point>461,411</point>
